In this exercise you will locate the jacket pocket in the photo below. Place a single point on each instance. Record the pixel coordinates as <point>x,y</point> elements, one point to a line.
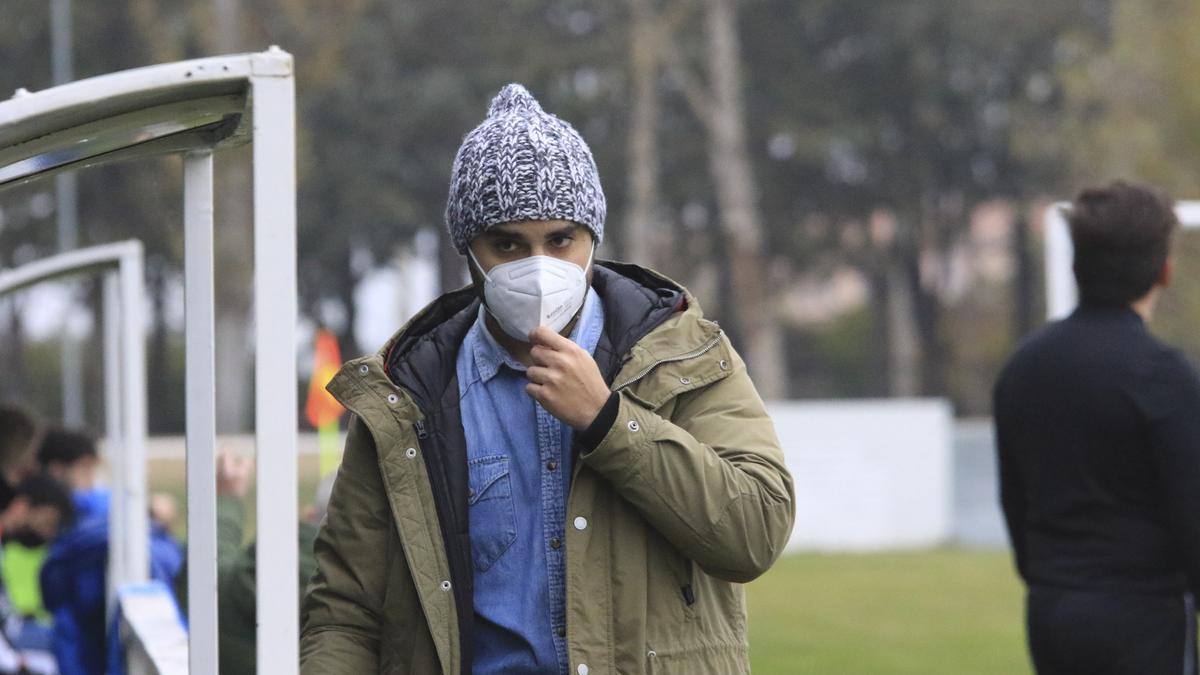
<point>493,521</point>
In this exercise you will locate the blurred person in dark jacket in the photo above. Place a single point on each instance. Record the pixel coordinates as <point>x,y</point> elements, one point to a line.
<point>74,575</point>
<point>71,457</point>
<point>237,563</point>
<point>1098,442</point>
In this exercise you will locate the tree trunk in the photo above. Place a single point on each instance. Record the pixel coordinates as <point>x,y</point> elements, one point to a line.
<point>729,164</point>
<point>16,381</point>
<point>158,383</point>
<point>1023,280</point>
<point>645,191</point>
<point>450,264</point>
<point>234,250</point>
<point>903,347</point>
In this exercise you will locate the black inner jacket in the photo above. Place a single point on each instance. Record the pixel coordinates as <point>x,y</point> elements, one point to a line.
<point>423,361</point>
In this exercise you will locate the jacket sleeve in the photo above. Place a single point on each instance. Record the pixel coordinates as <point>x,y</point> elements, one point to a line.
<point>1173,413</point>
<point>1012,498</point>
<point>340,616</point>
<point>713,483</point>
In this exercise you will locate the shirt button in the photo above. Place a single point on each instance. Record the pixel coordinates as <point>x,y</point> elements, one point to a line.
<point>580,523</point>
<point>551,465</point>
<point>555,543</point>
<point>582,669</point>
<point>562,631</point>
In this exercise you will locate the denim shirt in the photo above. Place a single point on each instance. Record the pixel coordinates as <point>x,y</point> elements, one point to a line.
<point>519,470</point>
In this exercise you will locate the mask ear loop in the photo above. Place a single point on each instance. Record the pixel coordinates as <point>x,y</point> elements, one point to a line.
<point>477,265</point>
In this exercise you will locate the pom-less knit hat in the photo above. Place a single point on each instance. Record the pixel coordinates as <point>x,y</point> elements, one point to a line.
<point>522,163</point>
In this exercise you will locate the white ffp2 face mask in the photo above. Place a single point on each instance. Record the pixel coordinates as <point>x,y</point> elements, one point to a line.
<point>534,291</point>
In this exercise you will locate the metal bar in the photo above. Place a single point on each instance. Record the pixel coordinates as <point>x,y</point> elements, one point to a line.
<point>133,459</point>
<point>112,360</point>
<point>65,264</point>
<point>61,62</point>
<point>275,367</point>
<point>112,406</point>
<point>201,412</point>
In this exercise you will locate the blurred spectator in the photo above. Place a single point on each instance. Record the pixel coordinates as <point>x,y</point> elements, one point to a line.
<point>236,564</point>
<point>71,457</point>
<point>164,510</point>
<point>73,582</point>
<point>40,506</point>
<point>20,435</point>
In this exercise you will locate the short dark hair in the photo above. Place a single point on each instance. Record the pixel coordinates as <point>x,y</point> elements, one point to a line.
<point>18,429</point>
<point>1122,233</point>
<point>65,446</point>
<point>42,489</point>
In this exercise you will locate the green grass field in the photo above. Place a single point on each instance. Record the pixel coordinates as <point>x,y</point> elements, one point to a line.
<point>945,611</point>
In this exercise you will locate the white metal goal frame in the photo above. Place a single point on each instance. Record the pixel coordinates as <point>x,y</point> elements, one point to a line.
<point>1062,295</point>
<point>124,353</point>
<point>195,108</point>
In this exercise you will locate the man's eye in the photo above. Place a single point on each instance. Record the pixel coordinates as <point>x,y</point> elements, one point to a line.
<point>561,242</point>
<point>506,246</point>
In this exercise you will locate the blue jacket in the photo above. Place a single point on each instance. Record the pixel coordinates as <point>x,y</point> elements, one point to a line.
<point>73,589</point>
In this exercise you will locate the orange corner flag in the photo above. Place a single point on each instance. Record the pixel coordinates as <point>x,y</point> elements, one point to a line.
<point>322,408</point>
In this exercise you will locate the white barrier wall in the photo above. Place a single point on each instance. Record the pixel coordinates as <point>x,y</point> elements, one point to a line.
<point>870,475</point>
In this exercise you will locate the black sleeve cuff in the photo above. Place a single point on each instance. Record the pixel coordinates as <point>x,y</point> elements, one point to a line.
<point>590,437</point>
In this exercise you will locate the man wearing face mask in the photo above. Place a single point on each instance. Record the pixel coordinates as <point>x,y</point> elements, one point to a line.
<point>38,509</point>
<point>563,468</point>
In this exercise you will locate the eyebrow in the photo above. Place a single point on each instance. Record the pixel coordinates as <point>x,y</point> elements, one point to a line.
<point>500,233</point>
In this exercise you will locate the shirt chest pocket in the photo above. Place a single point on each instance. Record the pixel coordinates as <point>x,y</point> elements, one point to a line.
<point>493,522</point>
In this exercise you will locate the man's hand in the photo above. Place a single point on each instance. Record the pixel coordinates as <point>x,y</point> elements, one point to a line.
<point>565,379</point>
<point>233,474</point>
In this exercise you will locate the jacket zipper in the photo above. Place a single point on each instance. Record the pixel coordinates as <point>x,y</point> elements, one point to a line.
<point>420,427</point>
<point>703,349</point>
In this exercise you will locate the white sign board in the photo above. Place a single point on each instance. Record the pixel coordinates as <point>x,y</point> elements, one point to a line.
<point>869,475</point>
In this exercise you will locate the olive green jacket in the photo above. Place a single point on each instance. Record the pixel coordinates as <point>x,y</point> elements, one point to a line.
<point>685,498</point>
<point>236,564</point>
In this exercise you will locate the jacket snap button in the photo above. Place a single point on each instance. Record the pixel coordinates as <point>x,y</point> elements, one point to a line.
<point>651,654</point>
<point>582,669</point>
<point>445,585</point>
<point>392,398</point>
<point>685,380</point>
<point>634,426</point>
<point>724,364</point>
<point>362,369</point>
<point>410,453</point>
<point>580,523</point>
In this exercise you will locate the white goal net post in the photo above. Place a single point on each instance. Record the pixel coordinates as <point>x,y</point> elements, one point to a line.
<point>1062,295</point>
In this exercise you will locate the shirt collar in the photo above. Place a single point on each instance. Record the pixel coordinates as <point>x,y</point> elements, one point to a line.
<point>489,354</point>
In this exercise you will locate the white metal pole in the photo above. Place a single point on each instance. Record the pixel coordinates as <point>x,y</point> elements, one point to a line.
<point>1060,280</point>
<point>201,412</point>
<point>275,366</point>
<point>112,417</point>
<point>61,62</point>
<point>133,460</point>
